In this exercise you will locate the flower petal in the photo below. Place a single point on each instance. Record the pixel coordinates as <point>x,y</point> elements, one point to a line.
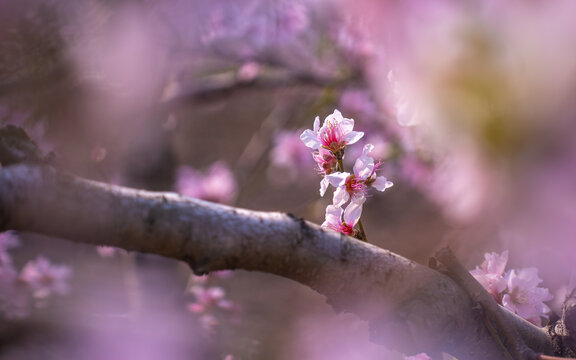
<point>381,183</point>
<point>353,136</point>
<point>340,196</point>
<point>338,178</point>
<point>364,167</point>
<point>324,185</point>
<point>310,139</point>
<point>333,216</point>
<point>352,213</point>
<point>347,125</point>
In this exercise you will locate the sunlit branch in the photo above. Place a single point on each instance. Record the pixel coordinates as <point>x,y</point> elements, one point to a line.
<point>410,307</point>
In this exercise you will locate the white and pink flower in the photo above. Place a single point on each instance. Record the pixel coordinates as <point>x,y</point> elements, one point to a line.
<point>334,135</point>
<point>343,221</point>
<point>491,273</point>
<point>355,186</point>
<point>516,290</point>
<point>524,297</point>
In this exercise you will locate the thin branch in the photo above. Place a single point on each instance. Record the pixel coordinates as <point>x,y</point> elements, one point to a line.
<point>410,307</point>
<point>226,84</point>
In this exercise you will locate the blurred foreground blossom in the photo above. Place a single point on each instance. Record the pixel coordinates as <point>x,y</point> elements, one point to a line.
<point>491,273</point>
<point>109,251</point>
<point>524,297</point>
<point>216,184</point>
<point>517,289</point>
<point>289,155</point>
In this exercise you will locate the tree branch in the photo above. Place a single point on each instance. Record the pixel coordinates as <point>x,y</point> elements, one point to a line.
<point>410,307</point>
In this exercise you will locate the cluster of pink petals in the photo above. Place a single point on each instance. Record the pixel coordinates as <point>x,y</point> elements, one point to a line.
<point>329,142</point>
<point>334,135</point>
<point>524,297</point>
<point>491,274</point>
<point>343,221</point>
<point>216,184</point>
<point>288,151</point>
<point>33,285</point>
<point>516,290</point>
<point>209,300</point>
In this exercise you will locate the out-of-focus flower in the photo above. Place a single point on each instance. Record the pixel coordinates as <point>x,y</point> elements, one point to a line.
<point>46,279</point>
<point>524,297</point>
<point>517,290</point>
<point>334,135</point>
<point>491,273</point>
<point>208,302</point>
<point>248,71</point>
<point>421,356</point>
<point>343,221</point>
<point>288,153</point>
<point>109,251</point>
<point>216,184</point>
<point>98,153</point>
<point>354,186</point>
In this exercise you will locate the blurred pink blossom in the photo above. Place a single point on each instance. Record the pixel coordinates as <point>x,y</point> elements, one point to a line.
<point>524,297</point>
<point>45,278</point>
<point>248,71</point>
<point>516,290</point>
<point>289,154</point>
<point>109,251</point>
<point>38,280</point>
<point>491,273</point>
<point>216,184</point>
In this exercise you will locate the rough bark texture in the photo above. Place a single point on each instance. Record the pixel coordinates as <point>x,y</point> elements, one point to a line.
<point>410,307</point>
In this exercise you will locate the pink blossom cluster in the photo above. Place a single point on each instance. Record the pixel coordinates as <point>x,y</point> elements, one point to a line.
<point>329,143</point>
<point>288,155</point>
<point>516,289</point>
<point>209,300</point>
<point>216,184</point>
<point>33,285</point>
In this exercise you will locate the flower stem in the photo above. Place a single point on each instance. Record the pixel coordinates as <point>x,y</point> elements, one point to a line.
<point>340,165</point>
<point>362,233</point>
